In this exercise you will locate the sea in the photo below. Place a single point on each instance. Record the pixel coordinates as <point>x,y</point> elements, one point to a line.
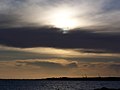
<point>56,85</point>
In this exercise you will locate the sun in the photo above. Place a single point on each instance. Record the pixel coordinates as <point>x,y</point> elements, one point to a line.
<point>64,19</point>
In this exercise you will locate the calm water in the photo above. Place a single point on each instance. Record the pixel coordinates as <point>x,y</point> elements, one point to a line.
<point>57,85</point>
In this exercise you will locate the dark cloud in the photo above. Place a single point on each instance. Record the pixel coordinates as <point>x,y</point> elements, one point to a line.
<point>92,51</point>
<point>53,37</point>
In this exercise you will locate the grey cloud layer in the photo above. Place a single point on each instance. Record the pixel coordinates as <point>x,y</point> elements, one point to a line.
<point>102,13</point>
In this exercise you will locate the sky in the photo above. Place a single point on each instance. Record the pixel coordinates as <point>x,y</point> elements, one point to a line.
<point>59,38</point>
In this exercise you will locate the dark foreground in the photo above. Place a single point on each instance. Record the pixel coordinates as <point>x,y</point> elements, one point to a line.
<point>61,84</point>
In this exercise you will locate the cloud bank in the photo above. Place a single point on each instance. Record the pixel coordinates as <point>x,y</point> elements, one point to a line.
<point>96,15</point>
<point>52,37</point>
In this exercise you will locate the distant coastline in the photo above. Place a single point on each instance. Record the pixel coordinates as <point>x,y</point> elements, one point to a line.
<point>76,79</point>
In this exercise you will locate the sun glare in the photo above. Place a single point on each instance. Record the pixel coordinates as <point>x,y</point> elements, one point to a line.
<point>64,19</point>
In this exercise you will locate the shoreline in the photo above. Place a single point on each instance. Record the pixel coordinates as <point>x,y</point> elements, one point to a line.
<point>72,79</point>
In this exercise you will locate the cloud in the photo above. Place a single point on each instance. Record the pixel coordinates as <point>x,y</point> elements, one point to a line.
<point>43,62</point>
<point>52,37</point>
<point>37,68</point>
<point>115,67</point>
<point>12,54</point>
<point>98,69</point>
<point>98,16</point>
<point>49,64</point>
